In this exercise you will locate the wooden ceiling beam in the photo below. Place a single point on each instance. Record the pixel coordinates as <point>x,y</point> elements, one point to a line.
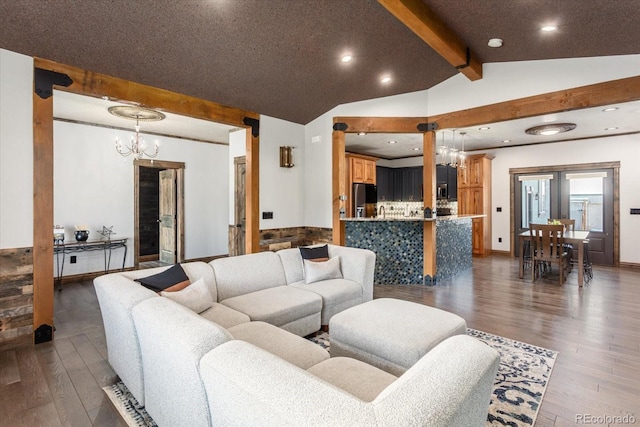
<point>417,16</point>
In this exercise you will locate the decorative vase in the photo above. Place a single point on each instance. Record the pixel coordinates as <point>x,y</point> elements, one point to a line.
<point>82,235</point>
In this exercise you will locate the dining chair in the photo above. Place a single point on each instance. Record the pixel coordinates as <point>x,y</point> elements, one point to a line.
<point>547,249</point>
<point>569,225</point>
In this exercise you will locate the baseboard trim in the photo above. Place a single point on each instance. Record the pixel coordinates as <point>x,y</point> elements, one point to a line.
<point>630,266</point>
<point>500,253</point>
<point>83,277</point>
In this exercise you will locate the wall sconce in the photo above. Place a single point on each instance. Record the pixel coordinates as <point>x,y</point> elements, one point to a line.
<point>286,157</point>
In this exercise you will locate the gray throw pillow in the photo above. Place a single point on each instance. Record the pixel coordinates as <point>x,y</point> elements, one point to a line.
<point>317,271</point>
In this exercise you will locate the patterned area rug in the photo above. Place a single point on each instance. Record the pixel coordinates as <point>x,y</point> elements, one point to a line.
<point>518,390</point>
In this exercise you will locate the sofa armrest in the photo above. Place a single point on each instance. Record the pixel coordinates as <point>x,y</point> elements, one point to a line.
<point>358,265</point>
<point>449,386</point>
<point>117,295</point>
<point>173,339</point>
<point>248,386</point>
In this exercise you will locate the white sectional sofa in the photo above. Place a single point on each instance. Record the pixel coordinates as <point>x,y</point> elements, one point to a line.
<point>243,361</point>
<point>245,288</point>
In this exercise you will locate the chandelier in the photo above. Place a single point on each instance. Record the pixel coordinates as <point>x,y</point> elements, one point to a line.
<point>451,156</point>
<point>137,147</point>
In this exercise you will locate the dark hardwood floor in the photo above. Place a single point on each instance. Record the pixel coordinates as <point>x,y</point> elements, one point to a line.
<point>596,331</point>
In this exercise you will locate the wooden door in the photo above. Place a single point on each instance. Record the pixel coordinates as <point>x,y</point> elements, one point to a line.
<point>167,220</point>
<point>238,246</point>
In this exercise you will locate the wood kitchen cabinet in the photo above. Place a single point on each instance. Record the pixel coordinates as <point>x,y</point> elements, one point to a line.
<point>474,197</point>
<point>360,169</point>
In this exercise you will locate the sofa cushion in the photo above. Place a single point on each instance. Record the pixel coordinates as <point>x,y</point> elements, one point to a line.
<point>292,348</point>
<point>170,277</point>
<point>240,275</point>
<point>224,316</point>
<point>278,306</point>
<point>333,291</point>
<point>196,297</point>
<point>353,376</point>
<point>317,271</point>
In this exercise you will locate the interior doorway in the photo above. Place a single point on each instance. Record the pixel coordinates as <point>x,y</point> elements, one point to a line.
<point>158,212</point>
<point>584,193</point>
<point>238,235</point>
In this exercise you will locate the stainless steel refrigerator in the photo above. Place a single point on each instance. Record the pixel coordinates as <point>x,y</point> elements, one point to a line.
<point>365,197</point>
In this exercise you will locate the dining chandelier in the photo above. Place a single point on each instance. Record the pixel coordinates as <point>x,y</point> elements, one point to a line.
<point>451,156</point>
<point>137,147</point>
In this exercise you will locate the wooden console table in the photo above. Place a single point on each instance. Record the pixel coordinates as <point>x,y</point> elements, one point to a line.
<point>107,246</point>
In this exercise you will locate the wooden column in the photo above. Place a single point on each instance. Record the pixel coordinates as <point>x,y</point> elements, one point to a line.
<point>43,218</point>
<point>339,173</point>
<point>429,197</point>
<point>252,195</point>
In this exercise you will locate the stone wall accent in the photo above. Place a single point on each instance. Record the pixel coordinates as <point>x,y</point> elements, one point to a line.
<point>278,238</point>
<point>16,297</point>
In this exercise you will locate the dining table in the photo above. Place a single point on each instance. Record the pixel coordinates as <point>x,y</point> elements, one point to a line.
<point>576,238</point>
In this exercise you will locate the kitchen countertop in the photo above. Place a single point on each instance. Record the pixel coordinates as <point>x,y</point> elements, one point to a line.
<point>416,218</point>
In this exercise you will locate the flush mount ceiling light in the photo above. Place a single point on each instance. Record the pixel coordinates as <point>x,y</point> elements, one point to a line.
<point>495,43</point>
<point>137,148</point>
<point>551,129</point>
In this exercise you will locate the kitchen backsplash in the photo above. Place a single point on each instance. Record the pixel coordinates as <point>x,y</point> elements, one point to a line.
<point>403,209</point>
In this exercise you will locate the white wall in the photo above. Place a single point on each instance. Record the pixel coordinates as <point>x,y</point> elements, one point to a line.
<point>625,149</point>
<point>281,189</point>
<point>93,185</point>
<point>16,150</point>
<point>237,148</point>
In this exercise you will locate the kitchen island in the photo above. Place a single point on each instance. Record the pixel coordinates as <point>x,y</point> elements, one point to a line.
<point>400,250</point>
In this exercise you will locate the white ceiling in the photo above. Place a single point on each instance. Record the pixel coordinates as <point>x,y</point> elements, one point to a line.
<point>86,109</point>
<point>591,122</point>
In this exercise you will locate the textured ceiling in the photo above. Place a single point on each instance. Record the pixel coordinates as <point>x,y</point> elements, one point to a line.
<point>281,57</point>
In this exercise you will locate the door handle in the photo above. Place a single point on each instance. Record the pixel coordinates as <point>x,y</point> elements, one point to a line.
<point>159,221</point>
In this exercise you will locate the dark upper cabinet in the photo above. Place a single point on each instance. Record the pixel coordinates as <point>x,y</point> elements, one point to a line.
<point>452,183</point>
<point>446,182</point>
<point>399,184</point>
<point>382,180</point>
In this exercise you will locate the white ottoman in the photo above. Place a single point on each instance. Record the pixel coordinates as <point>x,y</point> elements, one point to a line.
<point>391,334</point>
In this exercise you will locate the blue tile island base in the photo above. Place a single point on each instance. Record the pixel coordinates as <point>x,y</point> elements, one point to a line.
<point>400,250</point>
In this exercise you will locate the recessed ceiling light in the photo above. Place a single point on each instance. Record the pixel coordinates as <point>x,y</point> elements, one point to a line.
<point>362,133</point>
<point>549,28</point>
<point>606,110</point>
<point>385,79</point>
<point>495,43</point>
<point>416,149</point>
<point>392,142</point>
<point>484,128</point>
<point>506,141</point>
<point>551,129</point>
<point>611,128</point>
<point>346,58</point>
